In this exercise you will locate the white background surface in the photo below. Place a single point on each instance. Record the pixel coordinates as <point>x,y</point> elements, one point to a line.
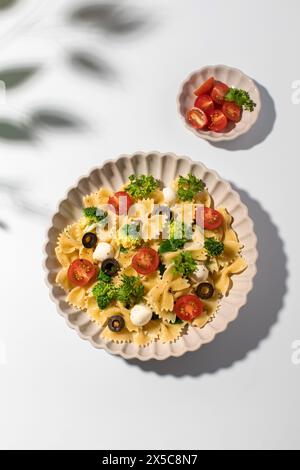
<point>242,391</point>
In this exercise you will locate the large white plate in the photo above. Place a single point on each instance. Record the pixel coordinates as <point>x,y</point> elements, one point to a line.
<point>165,167</point>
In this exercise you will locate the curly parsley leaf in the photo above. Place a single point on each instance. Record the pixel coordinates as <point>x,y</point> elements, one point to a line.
<point>179,234</point>
<point>104,277</point>
<point>241,98</point>
<point>131,291</point>
<point>185,264</point>
<point>140,187</point>
<point>189,187</point>
<point>213,247</point>
<point>94,215</point>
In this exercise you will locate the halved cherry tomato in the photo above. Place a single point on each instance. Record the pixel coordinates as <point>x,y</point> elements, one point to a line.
<point>121,201</point>
<point>81,271</point>
<point>197,118</point>
<point>206,87</point>
<point>204,102</point>
<point>218,92</point>
<point>232,111</point>
<point>217,120</point>
<point>211,218</point>
<point>188,307</point>
<point>146,261</point>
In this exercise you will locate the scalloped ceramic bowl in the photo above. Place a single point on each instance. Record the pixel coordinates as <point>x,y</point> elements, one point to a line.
<point>233,78</point>
<point>165,167</point>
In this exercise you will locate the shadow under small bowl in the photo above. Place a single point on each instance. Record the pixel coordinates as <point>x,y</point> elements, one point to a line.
<point>233,78</point>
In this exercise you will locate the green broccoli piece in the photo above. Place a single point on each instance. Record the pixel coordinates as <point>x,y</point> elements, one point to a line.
<point>105,293</point>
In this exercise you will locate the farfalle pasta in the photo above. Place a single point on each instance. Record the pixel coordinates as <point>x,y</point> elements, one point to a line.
<point>148,262</point>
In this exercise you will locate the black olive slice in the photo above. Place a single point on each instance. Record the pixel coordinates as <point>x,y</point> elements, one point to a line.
<point>205,290</point>
<point>110,267</point>
<point>116,323</point>
<point>89,240</point>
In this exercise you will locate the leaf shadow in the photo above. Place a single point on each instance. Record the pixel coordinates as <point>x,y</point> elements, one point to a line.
<point>256,318</point>
<point>111,18</point>
<point>6,4</point>
<point>16,76</point>
<point>91,64</point>
<point>54,119</point>
<point>14,131</point>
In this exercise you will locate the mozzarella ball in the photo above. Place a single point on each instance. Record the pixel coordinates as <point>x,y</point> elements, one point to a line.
<point>169,195</point>
<point>200,274</point>
<point>140,315</point>
<point>103,251</point>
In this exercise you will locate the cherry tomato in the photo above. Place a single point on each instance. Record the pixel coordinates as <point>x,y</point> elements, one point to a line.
<point>211,218</point>
<point>81,271</point>
<point>217,120</point>
<point>232,111</point>
<point>218,92</point>
<point>188,307</point>
<point>204,102</point>
<point>121,201</point>
<point>197,118</point>
<point>146,261</point>
<point>206,87</point>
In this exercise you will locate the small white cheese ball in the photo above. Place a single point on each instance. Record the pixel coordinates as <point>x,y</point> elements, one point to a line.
<point>169,195</point>
<point>200,274</point>
<point>140,315</point>
<point>103,251</point>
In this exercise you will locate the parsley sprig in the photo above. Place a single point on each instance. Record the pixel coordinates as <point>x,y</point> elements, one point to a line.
<point>189,187</point>
<point>185,264</point>
<point>129,292</point>
<point>141,187</point>
<point>95,215</point>
<point>213,246</point>
<point>241,98</point>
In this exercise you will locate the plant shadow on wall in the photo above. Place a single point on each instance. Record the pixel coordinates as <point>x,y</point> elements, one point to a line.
<point>261,129</point>
<point>255,320</point>
<point>110,19</point>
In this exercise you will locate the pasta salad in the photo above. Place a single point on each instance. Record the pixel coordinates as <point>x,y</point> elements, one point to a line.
<point>148,262</point>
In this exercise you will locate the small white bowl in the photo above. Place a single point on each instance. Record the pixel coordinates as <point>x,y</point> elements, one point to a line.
<point>233,78</point>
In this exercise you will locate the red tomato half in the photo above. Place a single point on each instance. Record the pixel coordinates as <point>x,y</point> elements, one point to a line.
<point>146,261</point>
<point>232,111</point>
<point>218,92</point>
<point>81,271</point>
<point>206,87</point>
<point>204,102</point>
<point>197,118</point>
<point>188,307</point>
<point>121,201</point>
<point>217,120</point>
<point>211,218</point>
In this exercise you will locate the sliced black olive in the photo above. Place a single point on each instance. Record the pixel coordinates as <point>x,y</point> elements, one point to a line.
<point>205,290</point>
<point>110,267</point>
<point>116,323</point>
<point>154,316</point>
<point>89,240</point>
